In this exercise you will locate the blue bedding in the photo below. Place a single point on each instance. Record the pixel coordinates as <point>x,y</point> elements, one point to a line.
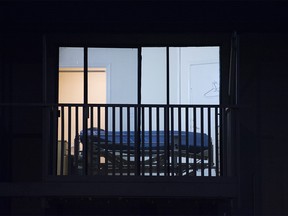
<point>152,139</point>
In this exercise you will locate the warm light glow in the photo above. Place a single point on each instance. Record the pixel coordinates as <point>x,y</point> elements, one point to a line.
<point>74,69</point>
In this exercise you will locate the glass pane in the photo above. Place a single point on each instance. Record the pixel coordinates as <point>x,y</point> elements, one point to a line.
<point>113,75</point>
<point>194,75</point>
<point>71,86</point>
<point>70,90</point>
<point>195,79</point>
<point>153,75</point>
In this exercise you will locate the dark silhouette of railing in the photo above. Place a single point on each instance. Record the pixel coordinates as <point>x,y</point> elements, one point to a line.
<point>139,140</point>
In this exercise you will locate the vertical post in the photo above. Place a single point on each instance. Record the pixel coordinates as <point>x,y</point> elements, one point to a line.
<point>98,149</point>
<point>223,140</point>
<point>62,151</point>
<point>217,135</point>
<point>128,141</point>
<point>113,141</point>
<point>143,142</point>
<point>173,144</point>
<point>121,140</point>
<point>91,152</point>
<point>150,141</point>
<point>167,140</point>
<point>138,114</point>
<point>137,139</point>
<point>158,140</point>
<point>202,140</point>
<point>69,142</point>
<point>179,140</point>
<point>209,142</point>
<point>187,140</point>
<point>195,141</point>
<point>106,140</point>
<point>76,140</point>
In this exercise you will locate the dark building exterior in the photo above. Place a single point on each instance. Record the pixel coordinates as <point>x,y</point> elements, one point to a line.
<point>254,42</point>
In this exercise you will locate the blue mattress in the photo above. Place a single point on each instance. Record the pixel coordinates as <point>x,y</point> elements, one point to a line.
<point>152,139</point>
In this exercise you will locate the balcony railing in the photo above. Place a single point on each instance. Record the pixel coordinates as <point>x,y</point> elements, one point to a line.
<point>138,140</point>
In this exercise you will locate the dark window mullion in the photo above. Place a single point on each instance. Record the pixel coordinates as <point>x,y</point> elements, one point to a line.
<point>167,134</point>
<point>139,86</point>
<point>167,77</point>
<point>85,75</point>
<point>138,113</point>
<point>85,112</point>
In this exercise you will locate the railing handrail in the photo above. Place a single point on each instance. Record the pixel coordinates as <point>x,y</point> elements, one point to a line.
<point>115,105</point>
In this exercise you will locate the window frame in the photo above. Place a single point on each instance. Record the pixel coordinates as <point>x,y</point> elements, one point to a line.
<point>51,44</point>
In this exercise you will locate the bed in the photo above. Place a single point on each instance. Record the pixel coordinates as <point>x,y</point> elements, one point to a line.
<point>145,152</point>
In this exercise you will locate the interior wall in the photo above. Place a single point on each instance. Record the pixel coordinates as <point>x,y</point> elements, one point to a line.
<point>71,90</point>
<point>154,76</point>
<point>121,69</point>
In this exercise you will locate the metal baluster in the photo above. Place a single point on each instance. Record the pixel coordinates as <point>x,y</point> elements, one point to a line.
<point>137,140</point>
<point>62,142</point>
<point>202,140</point>
<point>216,142</point>
<point>143,141</point>
<point>69,142</point>
<point>166,141</point>
<point>209,144</point>
<point>195,140</point>
<point>150,141</point>
<point>76,141</point>
<point>91,152</point>
<point>106,139</point>
<point>98,149</point>
<point>128,141</point>
<point>180,140</point>
<point>113,142</point>
<point>187,139</point>
<point>158,140</point>
<point>172,141</point>
<point>121,140</point>
<point>223,140</point>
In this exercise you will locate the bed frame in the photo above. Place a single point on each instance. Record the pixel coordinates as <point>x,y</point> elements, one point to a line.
<point>144,152</point>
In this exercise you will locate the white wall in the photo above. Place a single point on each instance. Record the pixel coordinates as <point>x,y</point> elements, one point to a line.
<point>71,57</point>
<point>153,86</point>
<point>199,70</point>
<point>121,67</point>
<point>174,72</point>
